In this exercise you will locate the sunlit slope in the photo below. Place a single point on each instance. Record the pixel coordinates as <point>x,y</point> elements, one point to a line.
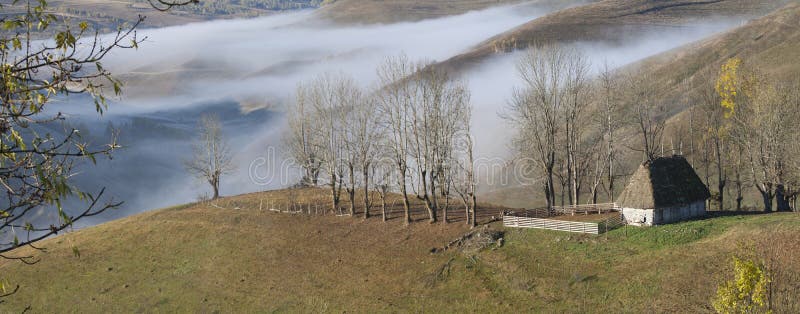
<point>612,21</point>
<point>232,257</point>
<point>770,44</point>
<point>394,11</point>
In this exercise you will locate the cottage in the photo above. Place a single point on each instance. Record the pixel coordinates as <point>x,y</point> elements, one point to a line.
<point>662,191</point>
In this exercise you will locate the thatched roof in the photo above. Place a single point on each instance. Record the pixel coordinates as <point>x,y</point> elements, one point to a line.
<point>663,182</point>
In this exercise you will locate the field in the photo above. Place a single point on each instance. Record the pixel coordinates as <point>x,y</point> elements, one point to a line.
<point>213,257</point>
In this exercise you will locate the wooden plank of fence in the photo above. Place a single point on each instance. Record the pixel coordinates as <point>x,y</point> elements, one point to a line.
<point>550,224</point>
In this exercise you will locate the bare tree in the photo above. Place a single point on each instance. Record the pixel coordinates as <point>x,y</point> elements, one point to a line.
<point>382,172</point>
<point>611,121</point>
<point>212,157</point>
<point>648,113</point>
<point>394,102</point>
<point>760,110</point>
<point>436,116</point>
<point>463,177</point>
<point>717,128</point>
<point>300,140</point>
<point>365,131</point>
<point>552,96</point>
<point>421,109</point>
<point>578,92</point>
<point>327,96</point>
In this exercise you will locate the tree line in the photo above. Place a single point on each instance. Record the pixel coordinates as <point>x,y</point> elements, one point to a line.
<point>582,132</point>
<point>411,135</point>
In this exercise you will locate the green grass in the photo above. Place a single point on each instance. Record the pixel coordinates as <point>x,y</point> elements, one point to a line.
<point>199,258</point>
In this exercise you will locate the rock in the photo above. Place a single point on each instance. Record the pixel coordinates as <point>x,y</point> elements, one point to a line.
<point>474,241</point>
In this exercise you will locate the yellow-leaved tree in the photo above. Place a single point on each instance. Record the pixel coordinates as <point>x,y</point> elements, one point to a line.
<point>748,291</point>
<point>729,85</point>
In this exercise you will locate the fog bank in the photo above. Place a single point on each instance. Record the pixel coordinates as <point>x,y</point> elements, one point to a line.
<point>234,67</point>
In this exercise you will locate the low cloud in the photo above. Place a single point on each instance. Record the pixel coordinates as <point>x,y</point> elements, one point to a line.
<point>250,64</point>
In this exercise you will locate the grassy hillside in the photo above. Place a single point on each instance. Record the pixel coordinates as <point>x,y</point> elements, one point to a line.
<point>380,11</point>
<point>611,21</point>
<point>232,257</point>
<point>106,16</point>
<point>769,44</point>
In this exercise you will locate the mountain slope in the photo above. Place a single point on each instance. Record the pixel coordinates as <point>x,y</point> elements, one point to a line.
<point>612,21</point>
<point>395,11</point>
<point>106,16</point>
<point>231,257</point>
<point>770,44</point>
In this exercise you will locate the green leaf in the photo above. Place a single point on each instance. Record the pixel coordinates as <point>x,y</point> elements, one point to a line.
<point>16,43</point>
<point>17,139</point>
<point>9,25</point>
<point>65,40</point>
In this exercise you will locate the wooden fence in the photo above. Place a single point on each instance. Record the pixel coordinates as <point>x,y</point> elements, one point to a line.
<point>551,224</point>
<point>563,225</point>
<point>586,209</point>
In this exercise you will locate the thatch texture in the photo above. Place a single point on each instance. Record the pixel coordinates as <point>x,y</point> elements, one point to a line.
<point>662,183</point>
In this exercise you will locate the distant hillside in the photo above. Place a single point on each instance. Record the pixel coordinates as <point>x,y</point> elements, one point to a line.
<point>394,11</point>
<point>229,256</point>
<point>612,21</point>
<point>106,16</point>
<point>771,44</point>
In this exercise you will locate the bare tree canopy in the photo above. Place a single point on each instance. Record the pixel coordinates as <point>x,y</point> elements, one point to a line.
<point>212,157</point>
<point>549,112</point>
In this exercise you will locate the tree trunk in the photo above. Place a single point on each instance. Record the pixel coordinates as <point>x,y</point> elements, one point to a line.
<point>739,199</point>
<point>767,196</point>
<point>551,193</point>
<point>404,191</point>
<point>721,191</point>
<point>334,196</point>
<point>445,207</point>
<point>365,172</point>
<point>215,185</point>
<point>467,212</point>
<point>351,191</point>
<point>547,197</point>
<point>782,199</point>
<point>722,178</point>
<point>739,190</point>
<point>474,209</point>
<point>429,206</point>
<point>383,205</point>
